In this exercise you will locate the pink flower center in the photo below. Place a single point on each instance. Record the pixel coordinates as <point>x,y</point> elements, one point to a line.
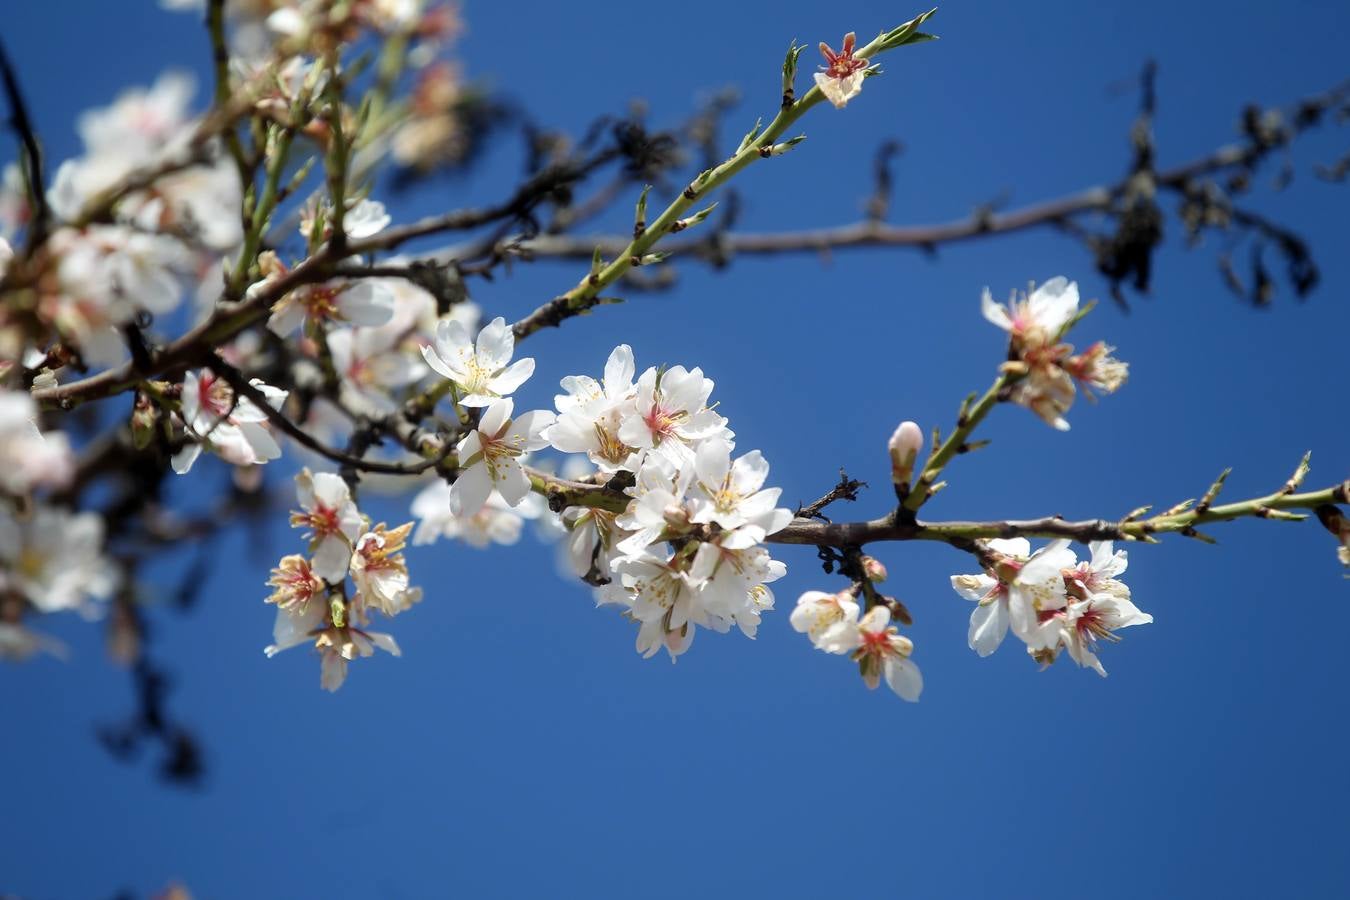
<point>214,395</point>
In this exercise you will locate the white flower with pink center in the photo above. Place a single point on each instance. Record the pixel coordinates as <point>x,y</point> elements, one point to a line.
<point>670,414</point>
<point>1086,622</point>
<point>591,413</point>
<point>334,522</point>
<point>1037,320</point>
<point>481,369</point>
<point>732,494</point>
<point>233,428</point>
<point>841,80</point>
<point>489,457</point>
<point>989,620</point>
<point>368,302</point>
<point>880,651</point>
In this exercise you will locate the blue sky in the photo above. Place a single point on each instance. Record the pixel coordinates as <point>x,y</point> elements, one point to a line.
<point>520,748</point>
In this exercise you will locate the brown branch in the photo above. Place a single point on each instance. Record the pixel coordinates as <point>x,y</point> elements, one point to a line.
<point>240,384</point>
<point>32,151</point>
<point>876,234</point>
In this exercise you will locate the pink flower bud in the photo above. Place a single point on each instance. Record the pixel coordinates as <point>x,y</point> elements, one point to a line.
<point>873,569</point>
<point>904,446</point>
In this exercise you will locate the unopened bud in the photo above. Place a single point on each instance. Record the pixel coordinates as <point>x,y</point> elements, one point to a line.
<point>674,515</point>
<point>337,609</point>
<point>144,418</point>
<point>873,569</point>
<point>905,446</point>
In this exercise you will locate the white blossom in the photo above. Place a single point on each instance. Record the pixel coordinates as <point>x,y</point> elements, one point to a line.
<point>366,302</point>
<point>842,79</point>
<point>488,457</point>
<point>989,620</point>
<point>234,428</point>
<point>29,458</point>
<point>1085,622</point>
<point>1038,319</point>
<point>380,572</point>
<point>591,413</point>
<point>671,414</point>
<point>479,369</point>
<point>732,495</point>
<point>334,522</point>
<point>820,616</point>
<point>373,363</point>
<point>881,651</point>
<point>54,559</point>
<point>495,523</point>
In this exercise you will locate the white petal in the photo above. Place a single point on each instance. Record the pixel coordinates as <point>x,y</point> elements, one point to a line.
<point>512,377</point>
<point>904,678</point>
<point>470,491</point>
<point>988,627</point>
<point>496,343</point>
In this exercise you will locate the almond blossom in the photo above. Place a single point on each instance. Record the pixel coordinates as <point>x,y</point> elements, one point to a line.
<point>819,615</point>
<point>380,572</point>
<point>591,413</point>
<point>105,276</point>
<point>495,523</point>
<point>1036,589</point>
<point>989,620</point>
<point>660,597</point>
<point>592,542</point>
<point>1097,370</point>
<point>295,584</point>
<point>880,651</point>
<point>29,458</point>
<point>231,427</point>
<point>1085,622</point>
<point>479,369</point>
<point>365,302</point>
<point>842,79</point>
<point>54,559</point>
<point>732,495</point>
<point>362,219</point>
<point>334,522</point>
<point>671,414</point>
<point>488,457</point>
<point>373,363</point>
<point>1037,320</point>
<point>338,646</point>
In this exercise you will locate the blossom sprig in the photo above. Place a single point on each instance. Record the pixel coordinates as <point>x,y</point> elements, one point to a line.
<point>311,593</point>
<point>1045,370</point>
<point>685,550</point>
<point>1050,600</point>
<point>836,624</point>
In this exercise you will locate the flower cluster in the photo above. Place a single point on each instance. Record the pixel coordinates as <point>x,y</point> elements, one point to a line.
<point>1047,370</point>
<point>1049,599</point>
<point>311,591</point>
<point>51,560</point>
<point>116,250</point>
<point>686,551</point>
<point>833,624</point>
<point>311,25</point>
